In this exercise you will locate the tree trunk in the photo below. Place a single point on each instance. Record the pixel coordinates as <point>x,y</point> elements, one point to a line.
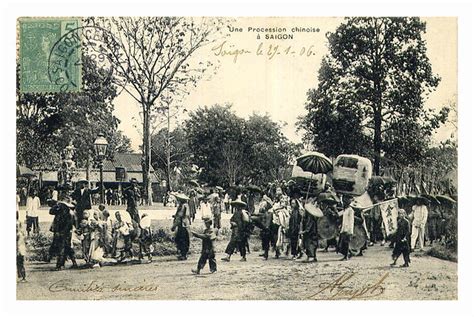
<point>377,141</point>
<point>377,102</point>
<point>147,155</point>
<point>168,151</point>
<point>88,169</point>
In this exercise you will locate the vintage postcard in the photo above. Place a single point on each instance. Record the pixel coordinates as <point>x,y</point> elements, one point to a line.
<point>237,158</point>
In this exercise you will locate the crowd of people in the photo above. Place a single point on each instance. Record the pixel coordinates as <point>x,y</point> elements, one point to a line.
<point>113,196</point>
<point>283,218</point>
<point>287,227</point>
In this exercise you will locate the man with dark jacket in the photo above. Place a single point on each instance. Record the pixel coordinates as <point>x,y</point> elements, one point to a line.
<point>266,219</point>
<point>402,239</point>
<point>294,228</point>
<point>62,233</point>
<point>82,197</point>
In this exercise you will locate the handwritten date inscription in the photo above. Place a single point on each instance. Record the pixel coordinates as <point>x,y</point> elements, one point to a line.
<point>224,49</point>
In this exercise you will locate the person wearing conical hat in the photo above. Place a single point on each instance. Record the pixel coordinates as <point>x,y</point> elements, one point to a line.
<point>181,224</point>
<point>217,208</point>
<point>133,195</point>
<point>62,232</point>
<point>193,204</point>
<point>238,239</point>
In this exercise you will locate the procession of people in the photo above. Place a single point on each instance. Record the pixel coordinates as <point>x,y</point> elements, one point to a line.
<point>288,224</point>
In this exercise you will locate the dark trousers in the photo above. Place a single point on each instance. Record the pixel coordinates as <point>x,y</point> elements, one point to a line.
<point>20,266</point>
<point>78,216</point>
<point>32,222</point>
<point>63,240</point>
<point>266,237</point>
<point>344,240</point>
<point>295,250</point>
<point>401,248</point>
<point>375,229</point>
<point>133,211</point>
<point>310,246</point>
<point>217,220</point>
<point>182,241</point>
<point>239,244</point>
<point>205,256</point>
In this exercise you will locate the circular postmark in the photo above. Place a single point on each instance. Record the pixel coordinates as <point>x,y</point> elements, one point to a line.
<point>66,56</point>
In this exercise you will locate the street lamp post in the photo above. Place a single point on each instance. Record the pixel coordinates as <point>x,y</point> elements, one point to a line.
<point>100,146</point>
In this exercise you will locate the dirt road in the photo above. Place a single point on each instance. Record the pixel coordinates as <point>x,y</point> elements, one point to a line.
<point>366,277</point>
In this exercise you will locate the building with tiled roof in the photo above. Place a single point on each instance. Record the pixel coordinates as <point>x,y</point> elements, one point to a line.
<point>122,168</point>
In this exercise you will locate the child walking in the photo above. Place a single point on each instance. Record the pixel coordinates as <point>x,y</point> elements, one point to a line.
<point>207,253</point>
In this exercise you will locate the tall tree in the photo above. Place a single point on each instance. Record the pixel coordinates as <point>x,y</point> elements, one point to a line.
<point>380,66</point>
<point>333,125</point>
<point>270,152</point>
<point>209,131</point>
<point>232,150</point>
<point>151,59</point>
<point>179,155</point>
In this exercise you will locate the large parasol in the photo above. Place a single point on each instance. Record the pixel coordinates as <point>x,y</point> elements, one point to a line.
<point>314,162</point>
<point>443,199</point>
<point>25,172</point>
<point>254,188</point>
<point>432,199</point>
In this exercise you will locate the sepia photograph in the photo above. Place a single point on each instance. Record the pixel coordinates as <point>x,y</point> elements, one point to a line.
<point>236,158</point>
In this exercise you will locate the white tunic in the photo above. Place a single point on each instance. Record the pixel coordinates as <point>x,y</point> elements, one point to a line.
<point>347,220</point>
<point>32,206</point>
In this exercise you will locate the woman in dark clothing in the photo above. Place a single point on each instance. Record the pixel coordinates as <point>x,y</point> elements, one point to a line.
<point>238,225</point>
<point>310,236</point>
<point>181,223</point>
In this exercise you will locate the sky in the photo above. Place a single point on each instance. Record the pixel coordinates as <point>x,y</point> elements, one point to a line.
<point>259,82</point>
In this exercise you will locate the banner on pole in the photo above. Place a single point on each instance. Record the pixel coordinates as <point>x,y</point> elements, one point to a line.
<point>389,211</point>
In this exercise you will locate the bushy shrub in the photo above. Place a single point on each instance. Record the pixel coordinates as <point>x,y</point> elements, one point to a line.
<point>444,253</point>
<point>37,246</point>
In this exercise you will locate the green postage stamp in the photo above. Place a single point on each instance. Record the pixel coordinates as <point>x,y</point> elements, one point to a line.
<point>49,55</point>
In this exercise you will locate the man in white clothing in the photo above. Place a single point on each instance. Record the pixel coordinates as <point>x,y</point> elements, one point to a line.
<point>347,227</point>
<point>420,215</point>
<point>32,206</point>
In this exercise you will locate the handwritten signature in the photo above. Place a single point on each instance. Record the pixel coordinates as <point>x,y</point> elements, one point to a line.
<point>99,287</point>
<point>340,288</point>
